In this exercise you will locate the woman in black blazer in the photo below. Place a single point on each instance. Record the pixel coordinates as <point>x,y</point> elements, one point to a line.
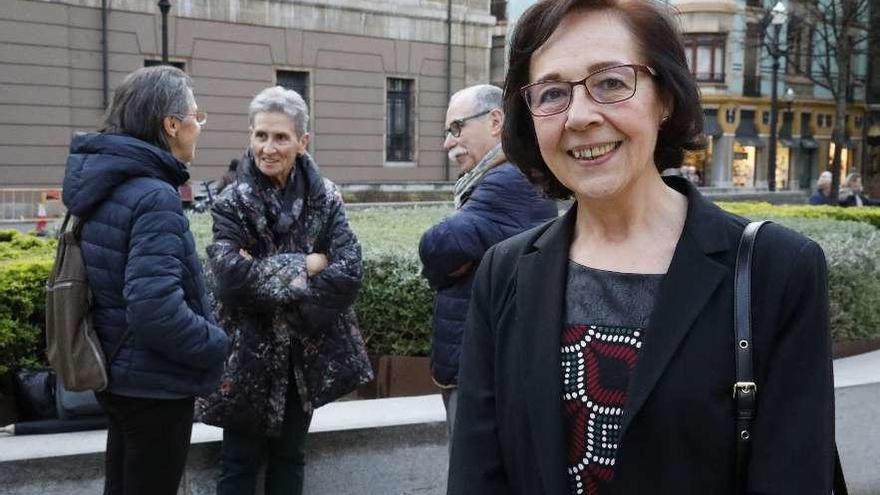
<point>599,352</point>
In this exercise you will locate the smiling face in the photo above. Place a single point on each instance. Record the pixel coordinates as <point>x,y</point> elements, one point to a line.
<point>596,150</point>
<point>275,145</point>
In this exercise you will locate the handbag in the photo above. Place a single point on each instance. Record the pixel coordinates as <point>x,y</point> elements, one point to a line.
<point>72,345</point>
<point>744,389</point>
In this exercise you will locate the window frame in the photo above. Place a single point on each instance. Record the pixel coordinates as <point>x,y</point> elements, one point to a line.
<point>412,123</point>
<point>717,43</point>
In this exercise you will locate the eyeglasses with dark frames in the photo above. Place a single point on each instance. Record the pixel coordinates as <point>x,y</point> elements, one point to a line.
<point>456,125</point>
<point>605,86</point>
<point>201,117</point>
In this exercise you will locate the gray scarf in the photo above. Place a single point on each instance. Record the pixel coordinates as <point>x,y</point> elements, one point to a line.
<point>473,176</point>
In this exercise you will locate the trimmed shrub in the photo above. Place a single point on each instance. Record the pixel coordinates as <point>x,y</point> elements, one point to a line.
<point>25,263</point>
<point>760,211</point>
<point>395,303</point>
<point>852,250</point>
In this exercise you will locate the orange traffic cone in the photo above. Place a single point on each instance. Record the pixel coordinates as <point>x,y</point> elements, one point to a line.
<point>41,219</point>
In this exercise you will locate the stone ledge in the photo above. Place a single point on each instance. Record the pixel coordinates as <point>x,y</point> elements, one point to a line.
<point>338,416</point>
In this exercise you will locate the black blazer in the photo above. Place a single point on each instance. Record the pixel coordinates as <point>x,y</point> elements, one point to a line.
<point>678,434</point>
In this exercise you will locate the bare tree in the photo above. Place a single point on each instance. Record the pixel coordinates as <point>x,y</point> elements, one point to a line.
<point>833,34</point>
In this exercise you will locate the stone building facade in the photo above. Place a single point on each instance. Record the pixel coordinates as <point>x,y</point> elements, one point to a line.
<point>375,73</point>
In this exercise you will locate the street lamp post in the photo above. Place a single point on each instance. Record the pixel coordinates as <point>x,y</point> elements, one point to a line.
<point>777,19</point>
<point>164,7</point>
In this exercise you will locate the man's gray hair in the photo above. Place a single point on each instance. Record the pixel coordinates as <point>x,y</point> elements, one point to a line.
<point>281,100</point>
<point>485,97</point>
<point>144,99</point>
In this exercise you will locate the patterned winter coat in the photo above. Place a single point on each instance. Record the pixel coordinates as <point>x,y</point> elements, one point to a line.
<point>284,324</point>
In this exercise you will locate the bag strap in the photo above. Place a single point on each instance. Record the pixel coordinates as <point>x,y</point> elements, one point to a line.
<point>744,389</point>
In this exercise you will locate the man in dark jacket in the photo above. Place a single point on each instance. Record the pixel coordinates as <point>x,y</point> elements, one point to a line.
<point>493,201</point>
<point>853,195</point>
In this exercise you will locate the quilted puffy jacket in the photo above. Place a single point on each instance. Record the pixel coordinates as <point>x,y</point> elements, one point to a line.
<point>142,267</point>
<point>502,204</point>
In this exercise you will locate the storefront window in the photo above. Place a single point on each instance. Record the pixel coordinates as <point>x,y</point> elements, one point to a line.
<point>743,165</point>
<point>783,159</point>
<point>844,161</point>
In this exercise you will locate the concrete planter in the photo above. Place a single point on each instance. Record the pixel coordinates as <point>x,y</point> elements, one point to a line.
<point>8,407</point>
<point>404,376</point>
<point>848,348</point>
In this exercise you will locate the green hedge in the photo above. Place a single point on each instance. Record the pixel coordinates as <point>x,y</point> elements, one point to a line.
<point>759,211</point>
<point>25,262</point>
<point>395,303</point>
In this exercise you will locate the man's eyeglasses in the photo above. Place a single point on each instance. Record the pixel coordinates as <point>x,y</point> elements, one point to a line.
<point>201,117</point>
<point>456,125</point>
<point>605,86</point>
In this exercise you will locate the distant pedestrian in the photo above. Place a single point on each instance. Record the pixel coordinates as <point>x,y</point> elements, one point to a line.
<point>493,201</point>
<point>822,195</point>
<point>599,351</point>
<point>286,268</point>
<point>853,195</point>
<point>145,276</point>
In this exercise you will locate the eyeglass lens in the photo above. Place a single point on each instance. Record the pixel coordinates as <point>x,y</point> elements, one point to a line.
<point>607,86</point>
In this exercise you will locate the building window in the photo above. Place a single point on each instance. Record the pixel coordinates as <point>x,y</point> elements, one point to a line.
<point>498,8</point>
<point>153,63</point>
<point>751,59</point>
<point>765,118</point>
<point>825,120</point>
<point>730,115</point>
<point>399,129</point>
<point>496,61</point>
<point>297,80</point>
<point>799,39</point>
<point>705,54</point>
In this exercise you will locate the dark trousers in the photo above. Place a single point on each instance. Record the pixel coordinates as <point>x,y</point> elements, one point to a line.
<point>242,454</point>
<point>147,443</point>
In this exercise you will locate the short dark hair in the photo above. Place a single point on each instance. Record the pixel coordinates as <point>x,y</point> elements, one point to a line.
<point>660,43</point>
<point>144,99</point>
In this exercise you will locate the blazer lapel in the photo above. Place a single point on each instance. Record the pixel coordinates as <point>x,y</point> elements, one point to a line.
<point>541,298</point>
<point>692,271</point>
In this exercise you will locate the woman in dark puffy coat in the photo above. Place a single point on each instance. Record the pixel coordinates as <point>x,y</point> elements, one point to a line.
<point>286,268</point>
<point>145,276</point>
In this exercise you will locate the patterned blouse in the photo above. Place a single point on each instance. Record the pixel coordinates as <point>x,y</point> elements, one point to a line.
<point>606,317</point>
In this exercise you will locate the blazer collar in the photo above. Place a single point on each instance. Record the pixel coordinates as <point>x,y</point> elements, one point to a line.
<point>541,283</point>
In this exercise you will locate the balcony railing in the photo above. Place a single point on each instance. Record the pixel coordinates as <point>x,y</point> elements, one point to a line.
<point>752,86</point>
<point>708,77</point>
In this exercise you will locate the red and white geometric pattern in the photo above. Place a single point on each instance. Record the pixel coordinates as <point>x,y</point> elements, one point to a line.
<point>597,363</point>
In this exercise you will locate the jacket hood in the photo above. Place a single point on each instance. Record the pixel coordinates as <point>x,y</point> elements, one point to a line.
<point>98,163</point>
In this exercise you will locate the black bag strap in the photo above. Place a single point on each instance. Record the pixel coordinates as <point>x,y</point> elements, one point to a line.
<point>745,389</point>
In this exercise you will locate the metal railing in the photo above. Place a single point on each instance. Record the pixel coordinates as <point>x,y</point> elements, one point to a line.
<point>23,204</point>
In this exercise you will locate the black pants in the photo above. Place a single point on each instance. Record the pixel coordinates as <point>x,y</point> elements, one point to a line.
<point>242,454</point>
<point>147,443</point>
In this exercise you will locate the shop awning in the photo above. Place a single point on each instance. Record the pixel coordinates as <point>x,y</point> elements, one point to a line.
<point>785,138</point>
<point>746,134</point>
<point>809,143</point>
<point>710,123</point>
